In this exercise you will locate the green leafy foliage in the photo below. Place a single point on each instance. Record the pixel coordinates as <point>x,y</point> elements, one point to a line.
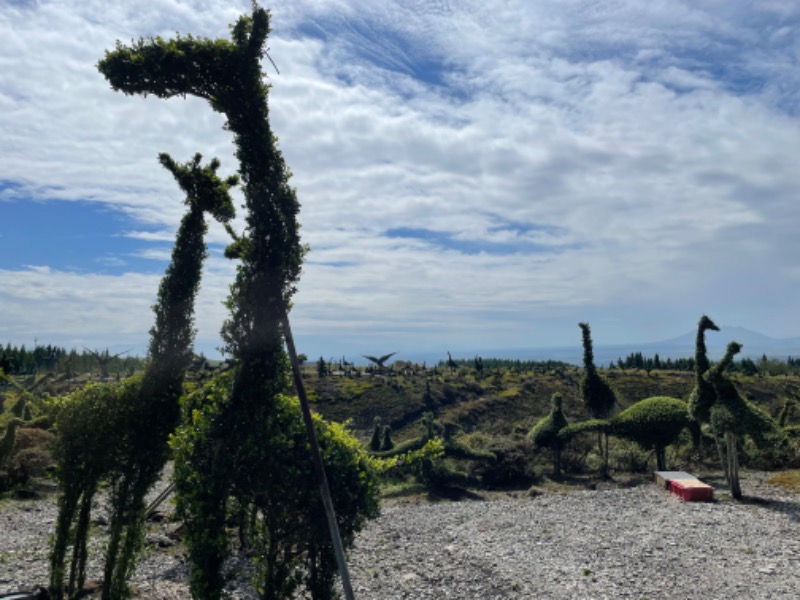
<point>597,393</point>
<point>375,442</point>
<point>652,423</point>
<point>736,417</point>
<point>90,424</point>
<point>272,476</point>
<point>545,432</point>
<point>141,413</point>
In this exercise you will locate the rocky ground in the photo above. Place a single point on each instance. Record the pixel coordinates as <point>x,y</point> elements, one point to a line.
<point>630,542</point>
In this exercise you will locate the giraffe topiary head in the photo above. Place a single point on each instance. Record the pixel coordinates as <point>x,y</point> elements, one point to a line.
<point>205,191</point>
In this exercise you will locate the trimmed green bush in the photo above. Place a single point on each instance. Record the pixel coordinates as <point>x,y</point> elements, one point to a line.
<point>273,477</point>
<point>653,423</point>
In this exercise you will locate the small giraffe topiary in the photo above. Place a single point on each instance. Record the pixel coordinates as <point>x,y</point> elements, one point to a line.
<point>119,431</point>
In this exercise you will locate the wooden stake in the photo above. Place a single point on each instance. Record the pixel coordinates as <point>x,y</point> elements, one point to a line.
<point>316,458</point>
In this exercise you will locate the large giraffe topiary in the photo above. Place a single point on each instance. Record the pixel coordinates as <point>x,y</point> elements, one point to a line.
<point>231,461</point>
<point>120,431</point>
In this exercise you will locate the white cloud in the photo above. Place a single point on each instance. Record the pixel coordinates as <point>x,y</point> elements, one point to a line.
<point>651,146</point>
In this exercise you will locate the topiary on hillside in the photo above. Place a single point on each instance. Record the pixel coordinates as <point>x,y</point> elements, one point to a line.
<point>653,423</point>
<point>545,434</point>
<point>9,439</point>
<point>377,434</point>
<point>387,443</point>
<point>598,396</point>
<point>125,437</point>
<point>702,396</point>
<point>736,417</point>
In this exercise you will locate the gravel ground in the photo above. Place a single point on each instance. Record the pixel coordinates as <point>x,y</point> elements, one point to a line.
<point>639,542</point>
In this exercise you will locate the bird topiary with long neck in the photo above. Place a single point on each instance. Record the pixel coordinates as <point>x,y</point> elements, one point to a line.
<point>545,434</point>
<point>702,395</point>
<point>598,396</point>
<point>734,417</point>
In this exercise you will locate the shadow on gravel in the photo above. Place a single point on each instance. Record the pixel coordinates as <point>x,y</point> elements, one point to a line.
<point>789,508</point>
<point>451,494</point>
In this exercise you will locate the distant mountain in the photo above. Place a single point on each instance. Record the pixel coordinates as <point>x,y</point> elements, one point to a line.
<point>754,346</point>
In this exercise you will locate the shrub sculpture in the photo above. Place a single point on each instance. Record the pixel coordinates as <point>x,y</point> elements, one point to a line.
<point>424,456</point>
<point>545,434</point>
<point>89,423</point>
<point>735,417</point>
<point>228,74</point>
<point>653,423</point>
<point>703,396</point>
<point>597,394</point>
<point>120,432</point>
<point>290,537</point>
<point>376,440</point>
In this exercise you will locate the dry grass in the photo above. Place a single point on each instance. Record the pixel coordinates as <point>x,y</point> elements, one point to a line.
<point>788,479</point>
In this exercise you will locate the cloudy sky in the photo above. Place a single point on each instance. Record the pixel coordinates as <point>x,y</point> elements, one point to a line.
<point>473,175</point>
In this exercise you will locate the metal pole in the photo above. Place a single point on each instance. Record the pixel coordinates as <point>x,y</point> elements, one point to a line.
<point>316,458</point>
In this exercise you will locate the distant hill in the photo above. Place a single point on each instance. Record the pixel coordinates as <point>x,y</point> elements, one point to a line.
<point>754,346</point>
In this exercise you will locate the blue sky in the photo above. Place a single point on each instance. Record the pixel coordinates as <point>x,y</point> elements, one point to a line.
<point>473,175</point>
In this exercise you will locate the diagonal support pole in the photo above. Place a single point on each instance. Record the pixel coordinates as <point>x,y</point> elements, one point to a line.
<point>316,457</point>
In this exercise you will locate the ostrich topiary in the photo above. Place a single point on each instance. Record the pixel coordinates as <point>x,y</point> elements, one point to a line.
<point>545,434</point>
<point>702,396</point>
<point>597,393</point>
<point>735,417</point>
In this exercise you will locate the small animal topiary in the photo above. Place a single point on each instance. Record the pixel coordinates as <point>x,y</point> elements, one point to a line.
<point>736,417</point>
<point>545,434</point>
<point>598,396</point>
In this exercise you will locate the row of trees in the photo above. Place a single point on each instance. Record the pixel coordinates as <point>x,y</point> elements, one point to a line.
<point>746,365</point>
<point>19,360</point>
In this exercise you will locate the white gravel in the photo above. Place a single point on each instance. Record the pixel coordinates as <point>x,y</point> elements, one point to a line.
<point>637,543</point>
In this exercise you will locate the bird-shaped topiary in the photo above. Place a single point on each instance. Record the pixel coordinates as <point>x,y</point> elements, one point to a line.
<point>545,434</point>
<point>597,394</point>
<point>736,417</point>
